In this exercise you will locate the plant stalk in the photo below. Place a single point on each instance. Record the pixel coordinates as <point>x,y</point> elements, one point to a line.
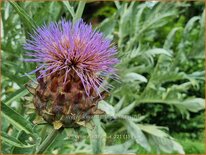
<point>47,142</point>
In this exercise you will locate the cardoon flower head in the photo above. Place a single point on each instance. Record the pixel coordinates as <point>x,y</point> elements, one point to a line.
<point>73,61</point>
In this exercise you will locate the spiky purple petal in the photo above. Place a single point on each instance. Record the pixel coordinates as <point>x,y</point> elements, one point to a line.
<point>63,46</point>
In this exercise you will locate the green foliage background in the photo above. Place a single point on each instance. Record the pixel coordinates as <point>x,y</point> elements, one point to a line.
<point>160,92</point>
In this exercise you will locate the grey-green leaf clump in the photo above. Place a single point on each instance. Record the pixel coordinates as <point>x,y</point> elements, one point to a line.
<point>155,74</point>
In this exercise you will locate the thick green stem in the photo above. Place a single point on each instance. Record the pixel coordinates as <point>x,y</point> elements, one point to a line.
<point>47,142</point>
<point>43,132</point>
<point>79,11</point>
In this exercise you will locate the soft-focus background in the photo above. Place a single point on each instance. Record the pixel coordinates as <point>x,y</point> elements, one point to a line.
<point>160,93</point>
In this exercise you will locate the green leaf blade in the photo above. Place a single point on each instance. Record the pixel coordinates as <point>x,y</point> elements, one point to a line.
<point>16,119</point>
<point>13,141</point>
<point>24,16</point>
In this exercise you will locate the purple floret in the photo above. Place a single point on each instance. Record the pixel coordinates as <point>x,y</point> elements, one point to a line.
<point>63,46</point>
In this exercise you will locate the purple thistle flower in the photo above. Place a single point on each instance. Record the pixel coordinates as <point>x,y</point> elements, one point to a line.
<point>73,48</point>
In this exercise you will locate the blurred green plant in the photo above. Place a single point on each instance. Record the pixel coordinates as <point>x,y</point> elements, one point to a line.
<point>161,62</point>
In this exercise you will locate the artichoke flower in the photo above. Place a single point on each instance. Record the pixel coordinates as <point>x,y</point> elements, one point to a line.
<point>73,62</point>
